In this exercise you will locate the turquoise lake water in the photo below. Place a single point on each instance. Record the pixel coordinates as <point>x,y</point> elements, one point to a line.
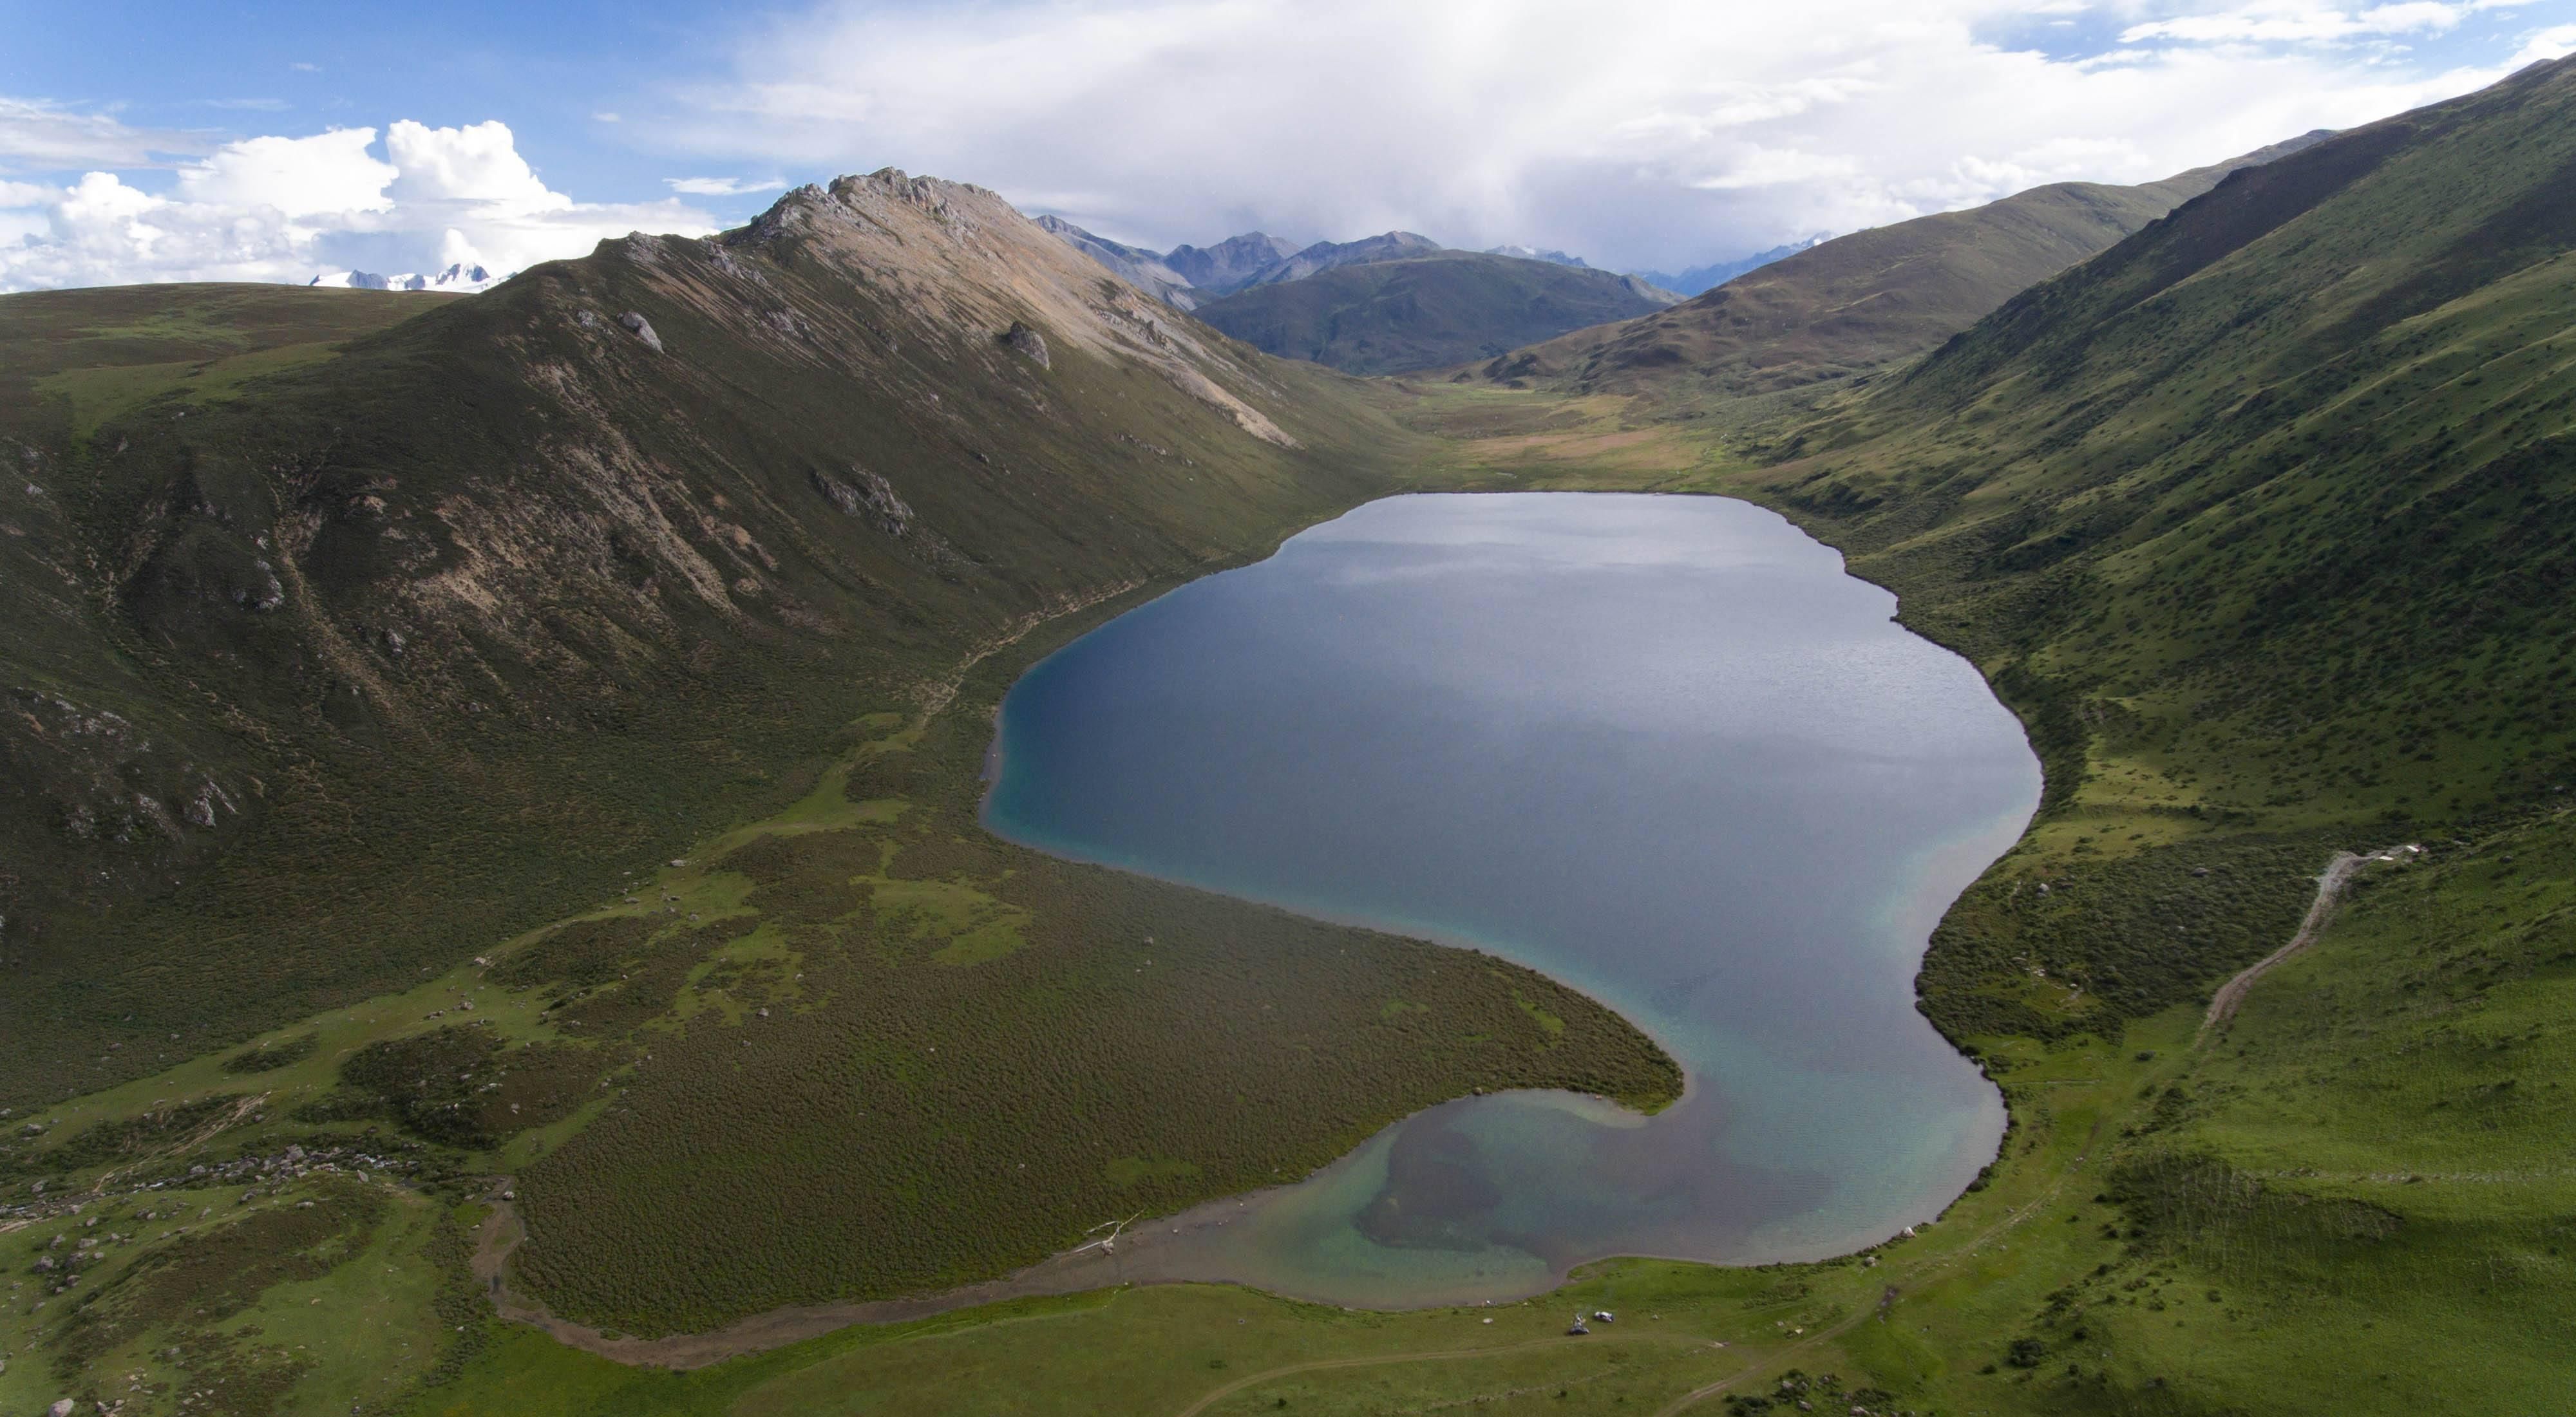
<point>1661,748</point>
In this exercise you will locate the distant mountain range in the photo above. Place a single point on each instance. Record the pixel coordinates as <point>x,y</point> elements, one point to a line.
<point>1232,263</point>
<point>1188,276</point>
<point>1699,280</point>
<point>1554,258</point>
<point>1689,282</point>
<point>1146,270</point>
<point>459,279</point>
<point>1333,255</point>
<point>1392,302</point>
<point>1427,310</point>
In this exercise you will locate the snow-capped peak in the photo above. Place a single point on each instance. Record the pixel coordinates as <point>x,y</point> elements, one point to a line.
<point>461,279</point>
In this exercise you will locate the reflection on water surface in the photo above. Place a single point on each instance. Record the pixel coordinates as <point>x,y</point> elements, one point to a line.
<point>1661,748</point>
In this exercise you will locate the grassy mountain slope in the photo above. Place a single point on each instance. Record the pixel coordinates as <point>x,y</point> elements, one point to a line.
<point>434,639</point>
<point>1856,302</point>
<point>2262,519</point>
<point>1699,280</point>
<point>2265,511</point>
<point>71,359</point>
<point>503,597</point>
<point>2257,518</point>
<point>1423,312</point>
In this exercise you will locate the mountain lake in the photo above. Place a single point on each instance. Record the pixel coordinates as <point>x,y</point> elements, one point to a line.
<point>1661,748</point>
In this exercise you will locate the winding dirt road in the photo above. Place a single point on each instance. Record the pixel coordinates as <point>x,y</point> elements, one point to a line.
<point>2222,1005</point>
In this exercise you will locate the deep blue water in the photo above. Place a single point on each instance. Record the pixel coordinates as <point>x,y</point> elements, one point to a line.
<point>1661,748</point>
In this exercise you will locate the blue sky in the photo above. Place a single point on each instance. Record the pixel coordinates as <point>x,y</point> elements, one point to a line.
<point>235,71</point>
<point>142,141</point>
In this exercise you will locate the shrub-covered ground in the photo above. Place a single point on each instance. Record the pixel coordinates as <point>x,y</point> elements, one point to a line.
<point>2336,1206</point>
<point>858,1049</point>
<point>910,1055</point>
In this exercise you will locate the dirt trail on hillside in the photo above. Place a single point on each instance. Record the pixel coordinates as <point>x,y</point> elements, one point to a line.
<point>2222,1005</point>
<point>938,694</point>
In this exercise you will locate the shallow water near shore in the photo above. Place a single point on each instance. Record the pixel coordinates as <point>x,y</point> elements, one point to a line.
<point>1661,748</point>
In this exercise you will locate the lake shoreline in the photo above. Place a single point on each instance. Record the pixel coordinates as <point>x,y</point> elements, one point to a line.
<point>1910,899</point>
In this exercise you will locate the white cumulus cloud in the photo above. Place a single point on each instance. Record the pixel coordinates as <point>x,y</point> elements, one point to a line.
<point>295,177</point>
<point>1640,133</point>
<point>719,186</point>
<point>289,208</point>
<point>2555,42</point>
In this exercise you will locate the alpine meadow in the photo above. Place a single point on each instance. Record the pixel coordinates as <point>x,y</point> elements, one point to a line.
<point>503,907</point>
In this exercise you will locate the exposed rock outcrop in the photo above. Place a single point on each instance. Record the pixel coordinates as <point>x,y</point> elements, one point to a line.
<point>873,497</point>
<point>642,329</point>
<point>1030,343</point>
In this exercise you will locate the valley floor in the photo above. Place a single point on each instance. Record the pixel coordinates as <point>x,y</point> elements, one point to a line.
<point>2304,1211</point>
<point>2321,1203</point>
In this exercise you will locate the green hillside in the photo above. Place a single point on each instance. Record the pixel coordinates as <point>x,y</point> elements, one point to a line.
<point>339,658</point>
<point>2262,520</point>
<point>1859,301</point>
<point>2353,1200</point>
<point>1387,317</point>
<point>2257,520</point>
<point>2263,514</point>
<point>553,720</point>
<point>657,677</point>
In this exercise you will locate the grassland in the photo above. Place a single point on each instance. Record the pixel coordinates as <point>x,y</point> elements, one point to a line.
<point>2257,520</point>
<point>854,1050</point>
<point>2025,1260</point>
<point>71,360</point>
<point>356,634</point>
<point>920,1057</point>
<point>396,643</point>
<point>2335,1206</point>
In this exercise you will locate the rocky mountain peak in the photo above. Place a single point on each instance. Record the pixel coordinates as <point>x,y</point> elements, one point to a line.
<point>1532,253</point>
<point>1231,263</point>
<point>970,265</point>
